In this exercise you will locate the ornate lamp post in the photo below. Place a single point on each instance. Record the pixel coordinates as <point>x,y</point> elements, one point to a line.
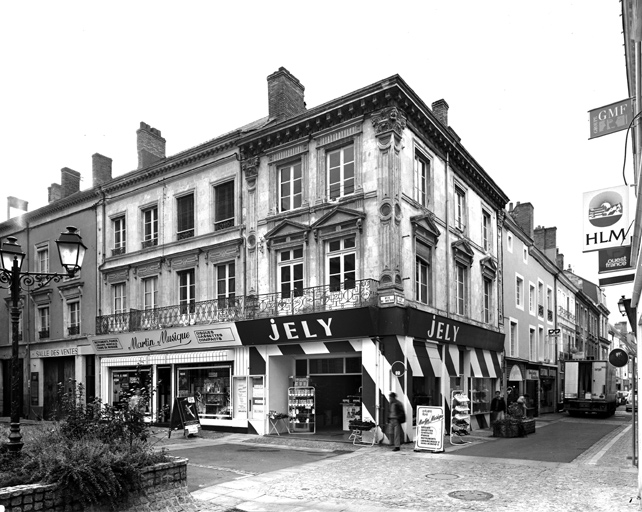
<point>71,251</point>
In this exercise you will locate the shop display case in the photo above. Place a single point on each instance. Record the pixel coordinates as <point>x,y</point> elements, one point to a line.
<point>459,416</point>
<point>301,410</point>
<point>480,395</point>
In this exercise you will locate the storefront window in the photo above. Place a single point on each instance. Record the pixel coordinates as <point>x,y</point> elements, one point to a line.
<point>425,391</point>
<point>210,386</point>
<point>126,382</point>
<point>481,391</point>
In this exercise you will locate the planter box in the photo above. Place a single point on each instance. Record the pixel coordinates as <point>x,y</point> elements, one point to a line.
<point>161,484</point>
<point>529,426</point>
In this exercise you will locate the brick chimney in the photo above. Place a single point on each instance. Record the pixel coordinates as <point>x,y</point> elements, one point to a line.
<point>546,241</point>
<point>150,145</point>
<point>54,192</point>
<point>100,169</point>
<point>523,215</point>
<point>69,181</point>
<point>285,95</point>
<point>440,110</point>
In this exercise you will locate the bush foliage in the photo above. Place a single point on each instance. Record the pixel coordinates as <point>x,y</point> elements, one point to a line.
<point>95,451</point>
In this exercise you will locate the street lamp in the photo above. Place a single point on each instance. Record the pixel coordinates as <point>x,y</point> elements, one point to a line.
<point>71,251</point>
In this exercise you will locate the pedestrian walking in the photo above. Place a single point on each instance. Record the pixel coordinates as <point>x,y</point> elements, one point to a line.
<point>396,417</point>
<point>497,407</point>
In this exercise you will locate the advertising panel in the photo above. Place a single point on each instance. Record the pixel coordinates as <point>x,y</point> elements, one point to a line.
<point>606,218</point>
<point>174,338</point>
<point>610,118</point>
<point>614,259</point>
<point>430,429</point>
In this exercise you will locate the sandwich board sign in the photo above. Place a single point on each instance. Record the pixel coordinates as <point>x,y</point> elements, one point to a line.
<point>185,416</point>
<point>430,429</point>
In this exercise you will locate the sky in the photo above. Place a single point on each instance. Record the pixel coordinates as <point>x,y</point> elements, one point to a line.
<point>519,78</point>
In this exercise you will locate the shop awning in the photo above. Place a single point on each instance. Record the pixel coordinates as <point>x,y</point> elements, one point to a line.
<point>426,361</point>
<point>452,360</point>
<point>485,363</point>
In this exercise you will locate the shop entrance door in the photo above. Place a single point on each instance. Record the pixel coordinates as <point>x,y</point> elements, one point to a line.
<point>56,370</point>
<point>163,393</point>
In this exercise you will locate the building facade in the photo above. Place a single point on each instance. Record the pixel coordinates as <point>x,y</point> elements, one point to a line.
<point>354,247</point>
<point>530,314</point>
<point>56,316</point>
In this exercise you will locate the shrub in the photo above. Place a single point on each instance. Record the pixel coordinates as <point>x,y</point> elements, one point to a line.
<point>95,452</point>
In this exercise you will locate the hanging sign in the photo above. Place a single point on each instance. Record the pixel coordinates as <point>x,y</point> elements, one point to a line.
<point>430,429</point>
<point>185,416</point>
<point>610,118</point>
<point>618,357</point>
<point>606,218</point>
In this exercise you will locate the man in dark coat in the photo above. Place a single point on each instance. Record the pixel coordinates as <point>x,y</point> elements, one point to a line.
<point>497,407</point>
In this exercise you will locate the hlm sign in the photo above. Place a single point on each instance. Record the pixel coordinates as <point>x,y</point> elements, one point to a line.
<point>611,118</point>
<point>606,218</point>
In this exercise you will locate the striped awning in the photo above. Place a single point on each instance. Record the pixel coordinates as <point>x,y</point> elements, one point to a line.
<point>425,362</point>
<point>452,359</point>
<point>485,363</point>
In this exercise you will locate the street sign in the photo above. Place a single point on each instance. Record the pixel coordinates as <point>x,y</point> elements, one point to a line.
<point>610,118</point>
<point>618,357</point>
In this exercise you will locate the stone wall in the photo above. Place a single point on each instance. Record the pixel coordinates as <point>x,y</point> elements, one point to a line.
<point>164,487</point>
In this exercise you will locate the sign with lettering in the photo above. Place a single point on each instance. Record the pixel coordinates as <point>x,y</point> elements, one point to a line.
<point>442,329</point>
<point>430,428</point>
<point>54,352</point>
<point>606,218</point>
<point>610,118</point>
<point>614,259</point>
<point>330,324</point>
<point>177,338</point>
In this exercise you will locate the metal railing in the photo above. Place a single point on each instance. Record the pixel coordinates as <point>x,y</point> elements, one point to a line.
<point>351,294</point>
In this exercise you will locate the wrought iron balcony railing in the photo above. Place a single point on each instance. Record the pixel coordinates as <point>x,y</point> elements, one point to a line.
<point>152,242</point>
<point>296,302</point>
<point>549,315</point>
<point>540,311</point>
<point>43,333</point>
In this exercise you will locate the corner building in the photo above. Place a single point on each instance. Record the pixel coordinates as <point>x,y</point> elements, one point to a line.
<point>357,249</point>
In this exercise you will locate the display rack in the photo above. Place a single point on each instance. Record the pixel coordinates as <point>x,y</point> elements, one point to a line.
<point>301,410</point>
<point>459,416</point>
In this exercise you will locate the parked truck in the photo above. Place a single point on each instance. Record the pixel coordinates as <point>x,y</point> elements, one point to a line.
<point>589,387</point>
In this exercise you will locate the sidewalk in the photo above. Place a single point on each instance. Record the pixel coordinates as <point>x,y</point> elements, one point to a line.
<point>369,478</point>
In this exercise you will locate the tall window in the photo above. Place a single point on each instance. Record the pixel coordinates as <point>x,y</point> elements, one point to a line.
<point>422,277</point>
<point>540,299</point>
<point>531,298</point>
<point>225,283</point>
<point>488,300</point>
<point>486,231</point>
<point>291,272</point>
<point>120,236</point>
<point>43,259</point>
<point>341,264</point>
<point>549,304</point>
<point>150,227</point>
<point>120,299</point>
<point>150,293</point>
<point>43,322</point>
<point>541,344</point>
<point>519,291</point>
<point>513,339</point>
<point>186,291</point>
<point>224,206</point>
<point>532,347</point>
<point>460,208</point>
<point>462,289</point>
<point>422,180</point>
<point>290,187</point>
<point>185,216</point>
<point>341,172</point>
<point>73,318</point>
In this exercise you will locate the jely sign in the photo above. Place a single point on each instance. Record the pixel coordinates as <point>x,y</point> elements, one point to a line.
<point>611,118</point>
